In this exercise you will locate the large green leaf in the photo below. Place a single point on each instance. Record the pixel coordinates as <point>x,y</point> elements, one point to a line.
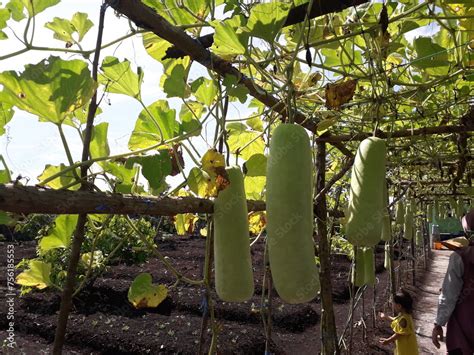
<point>430,55</point>
<point>6,114</point>
<point>158,116</point>
<point>37,275</point>
<point>243,141</point>
<point>5,219</point>
<point>119,78</point>
<point>266,19</point>
<point>234,89</point>
<point>205,90</point>
<point>64,29</point>
<point>99,146</point>
<point>254,186</point>
<point>200,182</point>
<point>125,177</point>
<point>155,46</point>
<point>189,115</point>
<point>4,17</point>
<point>33,7</point>
<point>227,42</point>
<point>51,89</point>
<point>155,168</point>
<point>60,236</point>
<point>174,81</point>
<point>63,180</point>
<point>143,294</point>
<point>256,165</point>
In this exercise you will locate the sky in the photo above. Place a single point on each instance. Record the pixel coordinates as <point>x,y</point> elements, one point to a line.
<point>28,144</point>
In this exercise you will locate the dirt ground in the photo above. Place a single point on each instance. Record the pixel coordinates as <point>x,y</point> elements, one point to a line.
<point>103,321</point>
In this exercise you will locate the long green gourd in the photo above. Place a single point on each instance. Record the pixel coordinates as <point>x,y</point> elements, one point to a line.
<point>387,259</point>
<point>290,215</point>
<point>233,263</point>
<point>386,223</point>
<point>369,266</point>
<point>419,238</point>
<point>436,211</point>
<point>400,213</point>
<point>358,268</point>
<point>408,225</point>
<point>429,213</point>
<point>364,224</point>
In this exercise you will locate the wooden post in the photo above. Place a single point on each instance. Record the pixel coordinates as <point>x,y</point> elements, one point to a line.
<point>66,297</point>
<point>328,323</point>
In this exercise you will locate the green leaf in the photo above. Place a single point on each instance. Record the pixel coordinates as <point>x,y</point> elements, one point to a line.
<point>125,178</point>
<point>254,186</point>
<point>155,168</point>
<point>6,114</point>
<point>174,83</point>
<point>82,24</point>
<point>255,123</point>
<point>243,141</point>
<point>33,7</point>
<point>226,41</point>
<point>16,9</point>
<point>143,294</point>
<point>61,181</point>
<point>256,165</point>
<point>430,55</point>
<point>235,89</point>
<point>205,90</point>
<point>155,46</point>
<point>200,182</point>
<point>36,276</point>
<point>189,115</point>
<point>266,19</point>
<point>5,218</point>
<point>158,116</point>
<point>119,78</point>
<point>99,146</point>
<point>62,28</point>
<point>4,17</point>
<point>60,236</point>
<point>51,89</point>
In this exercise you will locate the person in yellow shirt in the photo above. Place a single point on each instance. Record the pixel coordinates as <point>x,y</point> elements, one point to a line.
<point>402,325</point>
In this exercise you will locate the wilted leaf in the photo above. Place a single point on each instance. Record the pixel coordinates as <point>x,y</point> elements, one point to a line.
<point>184,223</point>
<point>340,93</point>
<point>211,160</point>
<point>143,294</point>
<point>257,222</point>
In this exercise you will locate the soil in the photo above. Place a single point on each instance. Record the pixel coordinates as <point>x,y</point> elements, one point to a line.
<point>104,322</point>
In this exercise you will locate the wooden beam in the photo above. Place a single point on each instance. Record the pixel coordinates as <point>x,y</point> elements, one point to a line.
<point>145,17</point>
<point>31,199</point>
<point>295,15</point>
<point>404,133</point>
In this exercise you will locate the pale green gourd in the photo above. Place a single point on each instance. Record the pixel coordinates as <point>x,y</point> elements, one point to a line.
<point>366,206</point>
<point>233,263</point>
<point>290,215</point>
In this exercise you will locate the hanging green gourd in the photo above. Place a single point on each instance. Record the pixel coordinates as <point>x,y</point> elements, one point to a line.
<point>429,213</point>
<point>442,210</point>
<point>387,259</point>
<point>436,211</point>
<point>363,269</point>
<point>400,213</point>
<point>453,204</point>
<point>358,268</point>
<point>290,215</point>
<point>459,208</point>
<point>419,238</point>
<point>408,225</point>
<point>365,210</point>
<point>369,265</point>
<point>386,223</point>
<point>233,263</point>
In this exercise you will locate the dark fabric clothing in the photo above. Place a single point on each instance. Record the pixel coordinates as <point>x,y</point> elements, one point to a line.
<point>460,330</point>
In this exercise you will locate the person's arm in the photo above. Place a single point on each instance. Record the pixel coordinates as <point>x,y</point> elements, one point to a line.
<point>392,339</point>
<point>452,286</point>
<point>386,316</point>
